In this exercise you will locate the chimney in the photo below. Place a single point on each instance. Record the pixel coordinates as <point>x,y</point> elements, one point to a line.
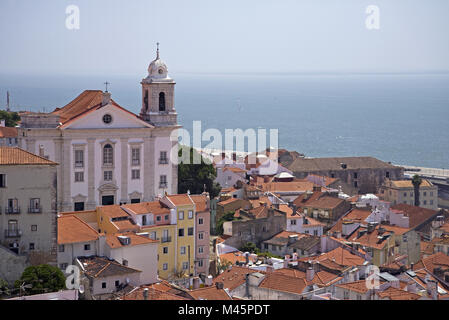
<point>310,274</point>
<point>219,285</point>
<point>2,123</point>
<point>411,287</point>
<point>208,281</point>
<point>145,294</point>
<point>411,266</point>
<point>246,257</point>
<point>106,98</point>
<point>196,283</point>
<point>432,289</point>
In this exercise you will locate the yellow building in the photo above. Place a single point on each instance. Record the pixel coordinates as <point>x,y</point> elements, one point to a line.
<point>184,208</point>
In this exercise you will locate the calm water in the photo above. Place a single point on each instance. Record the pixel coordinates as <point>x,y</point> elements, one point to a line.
<point>399,118</point>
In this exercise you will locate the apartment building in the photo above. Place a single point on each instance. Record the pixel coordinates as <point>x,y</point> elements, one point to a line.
<point>403,191</point>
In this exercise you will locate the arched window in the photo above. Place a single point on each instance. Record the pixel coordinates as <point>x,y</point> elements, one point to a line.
<point>108,153</point>
<point>161,101</point>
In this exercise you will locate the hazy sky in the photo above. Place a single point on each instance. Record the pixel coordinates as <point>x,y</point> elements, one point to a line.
<point>118,37</point>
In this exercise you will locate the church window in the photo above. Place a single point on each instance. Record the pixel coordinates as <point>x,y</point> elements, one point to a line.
<point>135,155</point>
<point>79,158</point>
<point>145,100</point>
<point>107,154</point>
<point>161,101</point>
<point>107,118</point>
<point>79,176</point>
<point>163,181</point>
<point>135,174</point>
<point>107,175</point>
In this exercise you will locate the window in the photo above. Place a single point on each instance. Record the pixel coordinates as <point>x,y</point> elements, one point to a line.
<point>79,158</point>
<point>185,265</point>
<point>165,266</point>
<point>355,175</point>
<point>86,247</point>
<point>387,174</point>
<point>79,206</point>
<point>161,101</point>
<point>79,176</point>
<point>34,227</point>
<point>61,248</point>
<point>425,193</point>
<point>135,156</point>
<point>135,200</point>
<point>158,218</point>
<point>265,246</point>
<point>183,250</point>
<point>163,181</point>
<point>107,118</point>
<point>35,205</point>
<point>431,202</point>
<point>190,231</point>
<point>163,157</point>
<point>144,220</point>
<point>103,285</point>
<point>200,263</point>
<point>165,250</point>
<point>315,232</point>
<point>201,235</point>
<point>405,194</point>
<point>108,154</point>
<point>153,235</point>
<point>31,246</point>
<point>2,180</point>
<point>200,249</point>
<point>125,262</point>
<point>107,175</point>
<point>166,217</point>
<point>117,283</point>
<point>181,232</point>
<point>190,214</point>
<point>425,202</point>
<point>135,174</point>
<point>293,222</point>
<point>181,215</point>
<point>13,206</point>
<point>355,184</point>
<point>200,221</point>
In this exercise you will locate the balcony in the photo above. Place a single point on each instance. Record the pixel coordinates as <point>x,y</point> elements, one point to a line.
<point>12,210</point>
<point>33,209</point>
<point>165,239</point>
<point>163,161</point>
<point>163,185</point>
<point>135,162</point>
<point>13,233</point>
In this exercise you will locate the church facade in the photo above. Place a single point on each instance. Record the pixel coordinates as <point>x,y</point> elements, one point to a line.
<point>107,154</point>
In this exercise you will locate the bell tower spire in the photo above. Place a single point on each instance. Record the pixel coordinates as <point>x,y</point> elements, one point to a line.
<point>158,88</point>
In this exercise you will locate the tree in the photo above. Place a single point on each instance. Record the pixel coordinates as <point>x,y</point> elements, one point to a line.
<point>41,279</point>
<point>250,247</point>
<point>416,181</point>
<point>4,288</point>
<point>11,118</point>
<point>196,177</point>
<point>228,216</point>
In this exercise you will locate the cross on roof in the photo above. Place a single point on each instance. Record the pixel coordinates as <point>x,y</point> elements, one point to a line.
<point>106,83</point>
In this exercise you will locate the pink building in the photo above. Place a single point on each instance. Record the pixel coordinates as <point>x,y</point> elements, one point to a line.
<point>202,227</point>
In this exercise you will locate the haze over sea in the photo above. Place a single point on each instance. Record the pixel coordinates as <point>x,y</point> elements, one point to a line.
<point>402,118</point>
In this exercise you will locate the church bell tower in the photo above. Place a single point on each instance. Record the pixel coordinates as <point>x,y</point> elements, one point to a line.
<point>158,104</point>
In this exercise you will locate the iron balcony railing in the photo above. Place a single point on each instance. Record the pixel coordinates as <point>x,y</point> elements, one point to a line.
<point>35,209</point>
<point>12,210</point>
<point>12,233</point>
<point>166,239</point>
<point>163,161</point>
<point>163,185</point>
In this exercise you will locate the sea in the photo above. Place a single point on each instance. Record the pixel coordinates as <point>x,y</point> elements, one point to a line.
<point>400,118</point>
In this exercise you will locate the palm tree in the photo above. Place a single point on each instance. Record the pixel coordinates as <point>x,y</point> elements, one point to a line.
<point>416,181</point>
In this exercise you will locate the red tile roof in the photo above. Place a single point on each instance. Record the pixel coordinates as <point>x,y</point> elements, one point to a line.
<point>233,277</point>
<point>281,282</point>
<point>8,132</point>
<point>417,215</point>
<point>209,293</point>
<point>17,156</point>
<point>71,229</point>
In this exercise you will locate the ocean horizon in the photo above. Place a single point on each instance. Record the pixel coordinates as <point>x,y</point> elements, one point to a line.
<point>402,118</point>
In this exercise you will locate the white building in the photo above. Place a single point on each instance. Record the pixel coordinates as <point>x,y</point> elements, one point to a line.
<point>107,154</point>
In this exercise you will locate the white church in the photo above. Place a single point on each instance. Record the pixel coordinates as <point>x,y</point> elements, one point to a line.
<point>107,154</point>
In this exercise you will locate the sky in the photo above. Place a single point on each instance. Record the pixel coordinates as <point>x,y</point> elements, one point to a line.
<point>117,37</point>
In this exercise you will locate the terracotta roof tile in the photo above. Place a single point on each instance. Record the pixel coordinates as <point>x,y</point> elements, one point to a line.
<point>8,132</point>
<point>281,282</point>
<point>209,293</point>
<point>200,202</point>
<point>180,199</point>
<point>113,241</point>
<point>155,207</point>
<point>101,267</point>
<point>17,156</point>
<point>71,229</point>
<point>417,215</point>
<point>233,277</point>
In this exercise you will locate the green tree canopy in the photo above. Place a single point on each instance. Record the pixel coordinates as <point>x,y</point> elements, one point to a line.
<point>196,177</point>
<point>42,279</point>
<point>11,118</point>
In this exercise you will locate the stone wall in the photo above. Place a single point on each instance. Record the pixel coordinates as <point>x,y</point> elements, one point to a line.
<point>11,265</point>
